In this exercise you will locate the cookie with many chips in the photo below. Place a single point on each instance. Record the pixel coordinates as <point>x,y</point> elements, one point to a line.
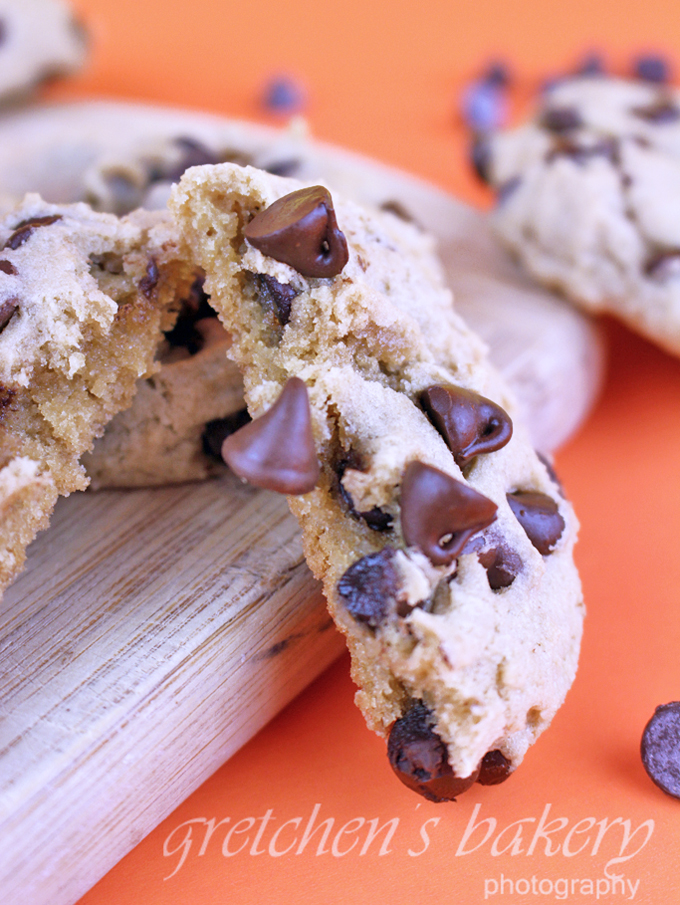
<point>443,542</point>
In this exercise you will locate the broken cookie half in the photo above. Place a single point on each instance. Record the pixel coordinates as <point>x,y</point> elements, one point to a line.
<point>443,542</point>
<point>84,298</point>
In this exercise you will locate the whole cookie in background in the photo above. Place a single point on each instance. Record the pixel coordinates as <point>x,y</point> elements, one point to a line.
<point>588,198</point>
<point>84,298</point>
<point>443,542</point>
<point>39,40</point>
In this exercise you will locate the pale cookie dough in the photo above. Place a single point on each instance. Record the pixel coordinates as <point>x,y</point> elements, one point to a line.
<point>461,658</point>
<point>589,193</point>
<point>39,40</point>
<point>84,298</point>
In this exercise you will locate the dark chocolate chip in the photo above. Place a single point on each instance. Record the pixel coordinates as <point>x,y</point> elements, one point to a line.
<point>659,113</point>
<point>495,768</point>
<point>469,423</point>
<point>663,266</point>
<point>193,154</point>
<point>419,757</point>
<point>276,451</point>
<point>24,230</point>
<point>149,282</point>
<point>279,296</point>
<point>561,119</point>
<point>660,748</point>
<point>216,432</point>
<point>369,587</point>
<point>439,514</point>
<point>539,515</point>
<point>7,309</point>
<point>8,268</point>
<point>502,566</point>
<point>550,468</point>
<point>300,230</point>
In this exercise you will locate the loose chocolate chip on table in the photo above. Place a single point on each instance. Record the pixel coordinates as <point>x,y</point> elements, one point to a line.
<point>8,268</point>
<point>276,451</point>
<point>659,113</point>
<point>7,309</point>
<point>278,295</point>
<point>216,432</point>
<point>439,514</point>
<point>494,769</point>
<point>419,757</point>
<point>660,748</point>
<point>24,230</point>
<point>149,282</point>
<point>539,515</point>
<point>300,230</point>
<point>469,423</point>
<point>369,587</point>
<point>561,119</point>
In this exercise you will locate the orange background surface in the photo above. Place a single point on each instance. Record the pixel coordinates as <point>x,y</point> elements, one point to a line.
<point>385,80</point>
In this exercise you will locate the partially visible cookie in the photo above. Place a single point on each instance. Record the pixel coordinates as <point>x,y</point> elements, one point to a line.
<point>39,40</point>
<point>588,199</point>
<point>443,542</point>
<point>84,298</point>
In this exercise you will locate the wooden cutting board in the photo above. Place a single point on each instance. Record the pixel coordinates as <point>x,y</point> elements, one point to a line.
<point>153,632</point>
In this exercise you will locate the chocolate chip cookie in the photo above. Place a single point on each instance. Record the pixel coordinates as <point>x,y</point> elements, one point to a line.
<point>39,40</point>
<point>443,542</point>
<point>588,194</point>
<point>84,298</point>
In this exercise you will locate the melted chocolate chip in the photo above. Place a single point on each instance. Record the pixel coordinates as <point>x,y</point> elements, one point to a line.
<point>439,514</point>
<point>469,423</point>
<point>369,587</point>
<point>216,432</point>
<point>24,230</point>
<point>8,268</point>
<point>581,154</point>
<point>300,230</point>
<point>538,514</point>
<point>561,119</point>
<point>419,757</point>
<point>278,296</point>
<point>660,748</point>
<point>7,309</point>
<point>149,282</point>
<point>494,769</point>
<point>376,518</point>
<point>663,266</point>
<point>659,113</point>
<point>276,451</point>
<point>502,566</point>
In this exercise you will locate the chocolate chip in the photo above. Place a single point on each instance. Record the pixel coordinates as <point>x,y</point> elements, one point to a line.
<point>652,68</point>
<point>24,230</point>
<point>469,423</point>
<point>7,309</point>
<point>663,266</point>
<point>287,167</point>
<point>480,158</point>
<point>502,566</point>
<point>508,188</point>
<point>581,154</point>
<point>561,119</point>
<point>398,210</point>
<point>300,230</point>
<point>369,587</point>
<point>659,113</point>
<point>550,468</point>
<point>538,514</point>
<point>216,432</point>
<point>494,769</point>
<point>278,296</point>
<point>439,514</point>
<point>7,397</point>
<point>660,748</point>
<point>148,283</point>
<point>8,268</point>
<point>376,518</point>
<point>276,451</point>
<point>419,757</point>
